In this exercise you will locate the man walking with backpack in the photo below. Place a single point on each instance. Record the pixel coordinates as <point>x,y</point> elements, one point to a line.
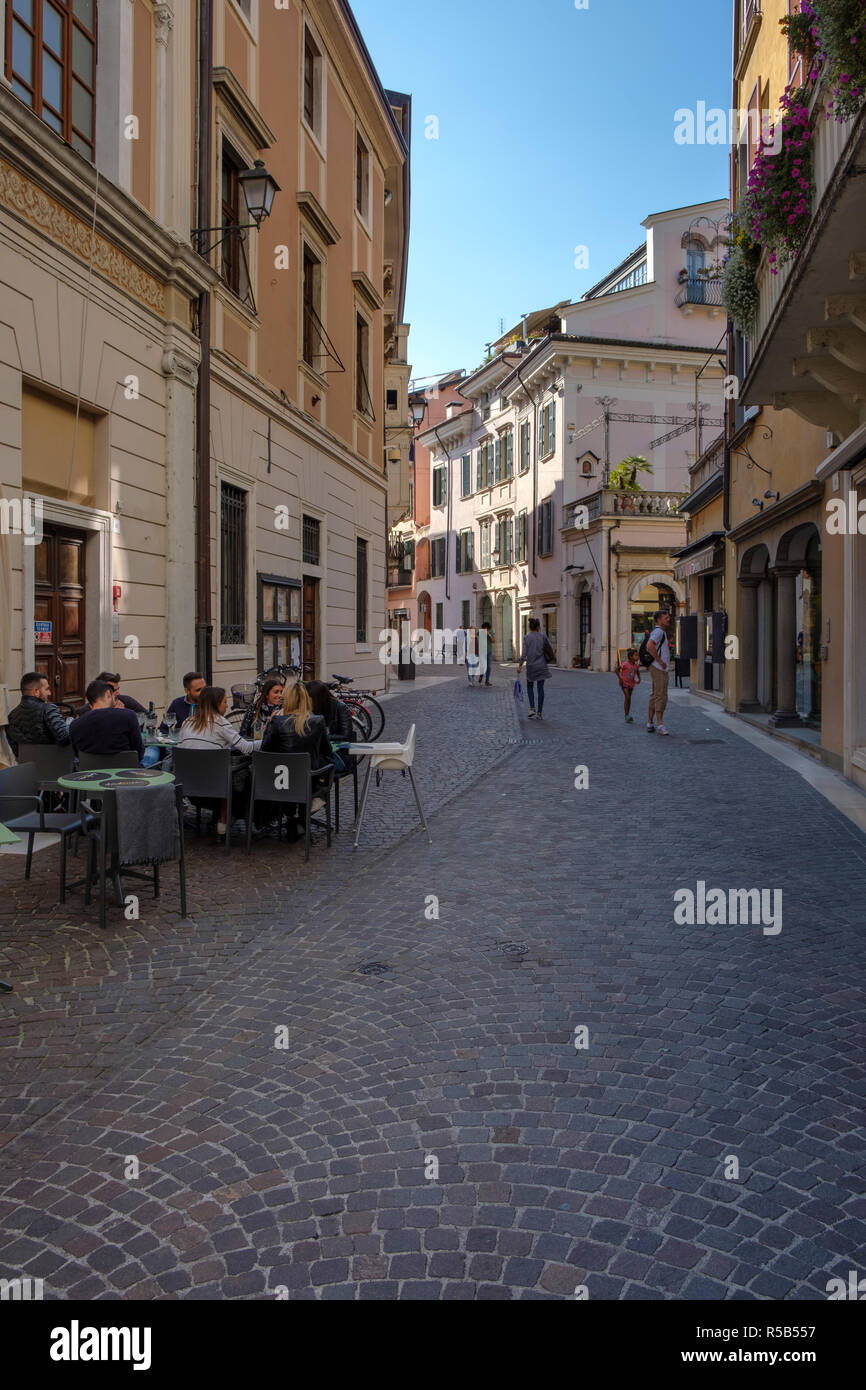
<point>655,653</point>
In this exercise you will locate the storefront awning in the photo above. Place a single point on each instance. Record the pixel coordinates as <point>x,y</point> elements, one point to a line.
<point>700,559</point>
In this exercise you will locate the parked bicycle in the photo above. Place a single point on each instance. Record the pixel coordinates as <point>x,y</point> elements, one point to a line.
<point>364,706</point>
<point>368,717</point>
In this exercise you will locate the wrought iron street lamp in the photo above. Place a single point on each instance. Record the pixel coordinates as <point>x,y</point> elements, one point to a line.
<point>259,190</point>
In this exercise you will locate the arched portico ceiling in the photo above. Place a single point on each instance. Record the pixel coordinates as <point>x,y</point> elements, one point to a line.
<point>754,563</point>
<point>665,581</point>
<point>792,548</point>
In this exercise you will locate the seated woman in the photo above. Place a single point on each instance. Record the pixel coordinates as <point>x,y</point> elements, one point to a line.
<point>299,730</point>
<point>338,718</point>
<point>207,728</point>
<point>269,703</point>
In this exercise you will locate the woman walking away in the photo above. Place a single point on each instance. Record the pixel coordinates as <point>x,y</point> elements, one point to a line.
<point>535,655</point>
<point>299,730</point>
<point>207,728</point>
<point>629,677</point>
<point>269,703</point>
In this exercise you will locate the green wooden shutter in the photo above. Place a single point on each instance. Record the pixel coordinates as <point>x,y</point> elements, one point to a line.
<point>498,455</point>
<point>479,471</point>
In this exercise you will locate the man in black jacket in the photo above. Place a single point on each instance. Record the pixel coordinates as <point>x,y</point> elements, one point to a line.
<point>36,719</point>
<point>105,728</point>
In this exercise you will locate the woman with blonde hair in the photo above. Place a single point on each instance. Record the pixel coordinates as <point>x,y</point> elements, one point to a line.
<point>299,730</point>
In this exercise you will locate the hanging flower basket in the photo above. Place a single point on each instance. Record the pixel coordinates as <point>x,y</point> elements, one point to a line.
<point>830,35</point>
<point>777,208</point>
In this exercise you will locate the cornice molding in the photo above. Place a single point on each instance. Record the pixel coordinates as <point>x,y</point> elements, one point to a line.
<point>806,496</point>
<point>318,219</point>
<point>367,290</point>
<point>236,99</point>
<point>52,188</point>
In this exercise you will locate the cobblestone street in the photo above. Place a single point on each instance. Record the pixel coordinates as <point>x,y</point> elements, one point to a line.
<point>431,1131</point>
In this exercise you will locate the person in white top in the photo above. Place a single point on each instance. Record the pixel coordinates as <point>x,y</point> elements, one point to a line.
<point>659,649</point>
<point>207,728</point>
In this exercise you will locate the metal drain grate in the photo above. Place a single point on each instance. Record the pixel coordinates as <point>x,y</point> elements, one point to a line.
<point>527,742</point>
<point>374,967</point>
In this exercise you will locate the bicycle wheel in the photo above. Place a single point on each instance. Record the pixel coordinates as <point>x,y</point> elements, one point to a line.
<point>375,714</point>
<point>361,721</point>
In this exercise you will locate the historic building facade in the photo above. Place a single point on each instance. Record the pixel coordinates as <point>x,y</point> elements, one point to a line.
<point>196,388</point>
<point>796,443</point>
<point>535,510</point>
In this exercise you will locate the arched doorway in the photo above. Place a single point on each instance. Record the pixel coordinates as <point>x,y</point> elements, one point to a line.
<point>504,628</point>
<point>757,625</point>
<point>647,597</point>
<point>425,611</point>
<point>485,610</point>
<point>797,570</point>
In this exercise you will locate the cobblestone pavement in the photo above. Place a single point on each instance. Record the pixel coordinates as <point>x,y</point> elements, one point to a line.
<point>430,1131</point>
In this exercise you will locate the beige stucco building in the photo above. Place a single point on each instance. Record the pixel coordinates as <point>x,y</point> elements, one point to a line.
<point>107,312</point>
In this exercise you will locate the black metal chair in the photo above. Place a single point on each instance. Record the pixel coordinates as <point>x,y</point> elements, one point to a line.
<point>206,774</point>
<point>99,762</point>
<point>50,760</point>
<point>21,786</point>
<point>103,851</point>
<point>288,778</point>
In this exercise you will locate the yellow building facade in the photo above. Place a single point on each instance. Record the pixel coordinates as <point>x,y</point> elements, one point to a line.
<point>795,430</point>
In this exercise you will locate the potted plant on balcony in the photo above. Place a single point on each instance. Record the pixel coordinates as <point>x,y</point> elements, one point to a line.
<point>623,478</point>
<point>777,208</point>
<point>740,286</point>
<point>831,37</point>
<point>683,276</point>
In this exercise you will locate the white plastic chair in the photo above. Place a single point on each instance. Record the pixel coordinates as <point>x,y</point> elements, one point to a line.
<point>388,757</point>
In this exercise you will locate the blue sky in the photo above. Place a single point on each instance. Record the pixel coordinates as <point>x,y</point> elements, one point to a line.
<point>555,131</point>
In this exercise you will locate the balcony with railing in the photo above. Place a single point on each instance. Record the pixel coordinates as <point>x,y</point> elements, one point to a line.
<point>700,291</point>
<point>662,506</point>
<point>804,299</point>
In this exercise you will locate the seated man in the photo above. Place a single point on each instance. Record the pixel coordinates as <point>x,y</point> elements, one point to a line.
<point>104,728</point>
<point>126,701</point>
<point>36,719</point>
<point>193,684</point>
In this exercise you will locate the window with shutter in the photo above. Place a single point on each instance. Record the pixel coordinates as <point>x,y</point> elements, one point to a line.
<point>466,467</point>
<point>497,473</point>
<point>479,470</point>
<point>551,427</point>
<point>509,454</point>
<point>489,451</point>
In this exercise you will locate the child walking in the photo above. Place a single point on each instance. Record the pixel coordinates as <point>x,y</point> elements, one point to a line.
<point>629,677</point>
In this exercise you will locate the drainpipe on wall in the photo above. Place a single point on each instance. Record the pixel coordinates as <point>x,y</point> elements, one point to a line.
<point>609,587</point>
<point>204,172</point>
<point>448,514</point>
<point>534,470</point>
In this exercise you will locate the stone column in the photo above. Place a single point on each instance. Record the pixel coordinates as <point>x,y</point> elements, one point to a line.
<point>749,644</point>
<point>786,715</point>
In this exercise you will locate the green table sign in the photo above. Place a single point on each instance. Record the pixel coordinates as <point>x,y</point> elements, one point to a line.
<point>7,837</point>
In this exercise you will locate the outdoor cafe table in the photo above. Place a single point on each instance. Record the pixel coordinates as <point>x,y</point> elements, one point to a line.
<point>113,779</point>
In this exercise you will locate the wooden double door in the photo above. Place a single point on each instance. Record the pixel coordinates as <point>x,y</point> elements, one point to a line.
<point>59,612</point>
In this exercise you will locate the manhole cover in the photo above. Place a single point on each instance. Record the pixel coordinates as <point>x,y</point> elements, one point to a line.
<point>514,950</point>
<point>374,967</point>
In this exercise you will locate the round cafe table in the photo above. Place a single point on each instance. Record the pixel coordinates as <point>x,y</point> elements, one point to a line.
<point>113,779</point>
